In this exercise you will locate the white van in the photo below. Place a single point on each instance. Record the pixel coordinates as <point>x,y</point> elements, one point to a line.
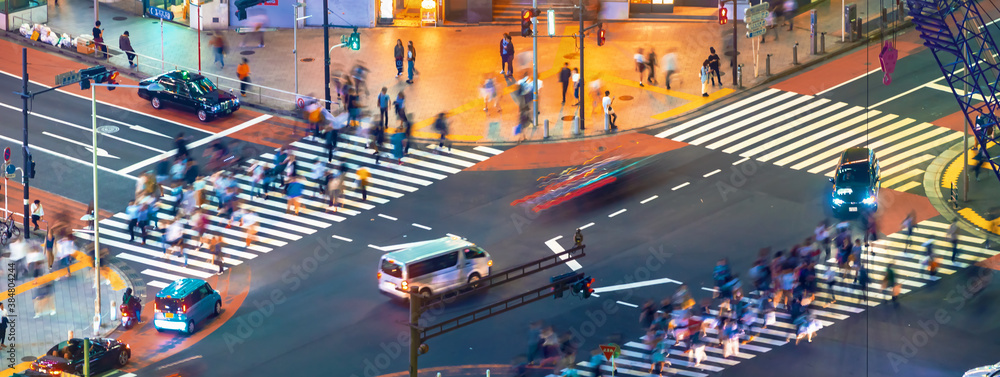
<point>434,266</point>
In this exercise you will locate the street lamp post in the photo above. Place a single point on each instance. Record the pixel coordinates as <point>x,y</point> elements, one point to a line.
<point>295,40</point>
<point>155,87</point>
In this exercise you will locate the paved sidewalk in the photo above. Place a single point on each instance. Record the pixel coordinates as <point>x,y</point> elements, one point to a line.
<point>982,208</point>
<point>453,61</point>
<point>31,333</point>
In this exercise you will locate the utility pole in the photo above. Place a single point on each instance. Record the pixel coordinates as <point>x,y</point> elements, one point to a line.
<point>534,64</point>
<point>25,96</point>
<point>580,40</point>
<point>736,52</point>
<point>415,312</point>
<point>326,51</point>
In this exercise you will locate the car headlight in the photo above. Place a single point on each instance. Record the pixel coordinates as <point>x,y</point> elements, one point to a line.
<point>838,201</point>
<point>869,200</point>
<point>215,108</point>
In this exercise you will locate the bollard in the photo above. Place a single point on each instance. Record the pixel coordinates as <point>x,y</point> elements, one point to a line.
<point>576,125</point>
<point>487,373</point>
<point>795,54</point>
<point>767,65</point>
<point>114,311</point>
<point>607,123</point>
<point>822,42</point>
<point>739,76</point>
<point>439,374</point>
<point>545,130</point>
<point>97,325</point>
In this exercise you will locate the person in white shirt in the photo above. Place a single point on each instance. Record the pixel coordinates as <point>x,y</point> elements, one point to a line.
<point>575,77</point>
<point>670,64</point>
<point>18,251</point>
<point>173,237</point>
<point>640,65</point>
<point>609,112</point>
<point>3,326</point>
<point>64,252</point>
<point>36,213</point>
<point>249,222</point>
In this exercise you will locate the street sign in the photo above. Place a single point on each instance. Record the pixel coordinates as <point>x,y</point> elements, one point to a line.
<point>162,14</point>
<point>756,33</point>
<point>67,78</point>
<point>610,351</point>
<point>756,19</point>
<point>6,155</point>
<point>9,170</point>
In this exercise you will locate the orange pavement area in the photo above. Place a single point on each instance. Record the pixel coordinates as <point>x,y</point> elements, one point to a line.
<point>848,67</point>
<point>955,121</point>
<point>895,205</point>
<point>43,68</point>
<point>548,155</point>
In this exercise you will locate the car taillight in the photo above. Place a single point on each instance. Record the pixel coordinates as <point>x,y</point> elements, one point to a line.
<point>489,263</point>
<point>379,275</point>
<point>184,309</point>
<point>404,286</point>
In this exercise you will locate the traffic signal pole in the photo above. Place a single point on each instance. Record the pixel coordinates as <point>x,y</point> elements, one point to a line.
<point>534,63</point>
<point>25,96</point>
<point>736,52</point>
<point>579,40</point>
<point>326,51</point>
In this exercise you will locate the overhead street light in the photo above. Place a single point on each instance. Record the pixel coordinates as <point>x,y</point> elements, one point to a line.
<point>154,87</point>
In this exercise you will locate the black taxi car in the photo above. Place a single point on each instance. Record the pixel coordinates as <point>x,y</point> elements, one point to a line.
<point>67,357</point>
<point>189,91</point>
<point>856,182</point>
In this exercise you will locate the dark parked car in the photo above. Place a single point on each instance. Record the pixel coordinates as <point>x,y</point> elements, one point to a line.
<point>105,354</point>
<point>192,92</point>
<point>856,182</point>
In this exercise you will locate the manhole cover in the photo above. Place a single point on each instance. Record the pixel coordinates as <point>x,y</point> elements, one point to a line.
<point>28,359</point>
<point>574,55</point>
<point>568,117</point>
<point>247,52</point>
<point>119,18</point>
<point>108,129</point>
<point>458,30</point>
<point>307,60</point>
<point>626,98</point>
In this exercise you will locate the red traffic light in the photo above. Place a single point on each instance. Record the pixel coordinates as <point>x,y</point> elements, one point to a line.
<point>600,36</point>
<point>723,16</point>
<point>526,24</point>
<point>113,80</point>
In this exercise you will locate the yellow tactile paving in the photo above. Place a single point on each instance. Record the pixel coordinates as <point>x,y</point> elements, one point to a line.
<point>697,102</point>
<point>978,220</point>
<point>83,261</point>
<point>19,368</point>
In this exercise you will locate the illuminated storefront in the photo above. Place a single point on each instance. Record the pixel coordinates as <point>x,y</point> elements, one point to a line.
<point>650,6</point>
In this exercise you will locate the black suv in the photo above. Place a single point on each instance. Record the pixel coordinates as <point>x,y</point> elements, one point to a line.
<point>190,91</point>
<point>856,182</point>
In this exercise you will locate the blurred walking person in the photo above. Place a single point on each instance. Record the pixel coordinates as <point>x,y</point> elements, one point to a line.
<point>565,74</point>
<point>534,342</point>
<point>441,126</point>
<point>609,112</point>
<point>398,55</point>
<point>362,181</point>
<point>891,282</point>
<point>640,65</point>
<point>489,93</point>
<point>383,108</point>
<point>704,73</point>
<point>294,192</point>
<point>37,212</point>
<point>652,62</point>
<point>411,59</point>
<point>670,65</point>
<point>243,73</point>
<point>506,56</point>
<point>215,249</point>
<point>576,85</point>
<point>952,235</point>
<point>251,224</point>
<point>219,49</point>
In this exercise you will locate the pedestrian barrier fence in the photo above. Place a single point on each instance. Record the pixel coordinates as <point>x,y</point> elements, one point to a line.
<point>954,196</point>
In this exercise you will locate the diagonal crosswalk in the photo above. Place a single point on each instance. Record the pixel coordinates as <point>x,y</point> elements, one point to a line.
<point>808,133</point>
<point>829,307</point>
<point>422,167</point>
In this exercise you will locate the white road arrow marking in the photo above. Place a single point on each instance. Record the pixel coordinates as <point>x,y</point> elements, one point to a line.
<point>556,248</point>
<point>100,151</point>
<point>148,131</point>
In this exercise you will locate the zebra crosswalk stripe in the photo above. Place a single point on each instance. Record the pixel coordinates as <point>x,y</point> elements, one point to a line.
<point>829,307</point>
<point>276,228</point>
<point>808,133</point>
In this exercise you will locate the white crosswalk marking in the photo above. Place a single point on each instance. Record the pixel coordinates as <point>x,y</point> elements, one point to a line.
<point>809,133</point>
<point>275,227</point>
<point>830,306</point>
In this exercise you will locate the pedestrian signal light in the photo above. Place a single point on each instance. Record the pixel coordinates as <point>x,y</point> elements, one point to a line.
<point>526,15</point>
<point>31,167</point>
<point>600,35</point>
<point>355,40</point>
<point>112,80</point>
<point>723,16</point>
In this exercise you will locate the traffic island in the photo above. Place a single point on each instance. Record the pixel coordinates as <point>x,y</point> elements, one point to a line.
<point>945,187</point>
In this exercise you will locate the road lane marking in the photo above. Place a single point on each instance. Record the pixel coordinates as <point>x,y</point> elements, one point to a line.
<point>649,199</point>
<point>197,143</point>
<point>618,213</point>
<point>586,226</point>
<point>742,160</point>
<point>680,186</point>
<point>622,287</point>
<point>849,81</point>
<point>342,238</point>
<point>488,150</point>
<point>60,155</point>
<point>710,289</point>
<point>400,246</point>
<point>714,172</point>
<point>86,129</point>
<point>375,247</point>
<point>101,152</point>
<point>627,304</point>
<point>556,248</point>
<point>424,227</point>
<point>179,362</point>
<point>387,217</point>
